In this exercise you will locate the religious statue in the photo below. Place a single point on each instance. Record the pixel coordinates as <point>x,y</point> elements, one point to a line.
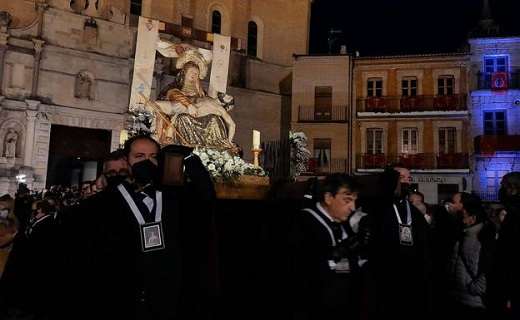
<point>83,84</point>
<point>189,116</point>
<point>11,140</point>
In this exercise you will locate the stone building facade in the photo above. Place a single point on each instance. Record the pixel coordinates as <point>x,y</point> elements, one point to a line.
<point>68,65</point>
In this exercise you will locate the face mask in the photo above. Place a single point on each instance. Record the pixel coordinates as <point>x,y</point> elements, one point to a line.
<point>115,180</point>
<point>502,195</point>
<point>4,213</point>
<point>145,172</point>
<point>405,189</point>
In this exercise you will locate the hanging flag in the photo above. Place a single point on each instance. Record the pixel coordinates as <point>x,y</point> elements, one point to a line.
<point>488,146</point>
<point>499,81</point>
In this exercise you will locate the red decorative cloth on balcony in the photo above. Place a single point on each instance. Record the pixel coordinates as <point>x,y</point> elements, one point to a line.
<point>499,81</point>
<point>376,103</point>
<point>411,103</point>
<point>488,146</point>
<point>446,102</point>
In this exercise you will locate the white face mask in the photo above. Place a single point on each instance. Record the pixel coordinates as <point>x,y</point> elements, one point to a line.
<point>4,213</point>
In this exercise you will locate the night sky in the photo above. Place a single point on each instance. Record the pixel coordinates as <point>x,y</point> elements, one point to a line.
<point>379,27</point>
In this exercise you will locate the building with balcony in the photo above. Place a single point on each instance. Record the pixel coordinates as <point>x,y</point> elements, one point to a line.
<point>321,108</point>
<point>413,110</point>
<point>495,106</point>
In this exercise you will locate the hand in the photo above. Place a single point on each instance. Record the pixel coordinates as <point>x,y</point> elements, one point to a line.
<point>192,111</point>
<point>347,247</point>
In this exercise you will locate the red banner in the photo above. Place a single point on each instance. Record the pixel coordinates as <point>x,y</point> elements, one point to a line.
<point>488,146</point>
<point>499,81</point>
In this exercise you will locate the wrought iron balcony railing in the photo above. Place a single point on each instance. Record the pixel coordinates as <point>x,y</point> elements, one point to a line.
<point>395,104</point>
<point>333,165</point>
<point>498,80</point>
<point>414,161</point>
<point>323,114</point>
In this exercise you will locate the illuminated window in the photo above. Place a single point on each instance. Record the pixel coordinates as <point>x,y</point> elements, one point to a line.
<point>374,87</point>
<point>409,141</point>
<point>409,86</point>
<point>252,39</point>
<point>445,85</point>
<point>493,178</point>
<point>216,22</point>
<point>322,153</point>
<point>447,140</point>
<point>496,63</point>
<point>374,141</point>
<point>494,123</point>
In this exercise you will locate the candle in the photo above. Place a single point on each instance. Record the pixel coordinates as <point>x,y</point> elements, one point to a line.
<point>256,139</point>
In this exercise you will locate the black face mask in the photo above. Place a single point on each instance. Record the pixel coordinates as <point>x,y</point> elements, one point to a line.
<point>405,189</point>
<point>145,172</point>
<point>115,180</point>
<point>502,195</point>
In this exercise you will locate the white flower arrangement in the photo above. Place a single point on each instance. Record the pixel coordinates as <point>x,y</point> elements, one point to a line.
<point>299,153</point>
<point>139,122</point>
<point>223,166</point>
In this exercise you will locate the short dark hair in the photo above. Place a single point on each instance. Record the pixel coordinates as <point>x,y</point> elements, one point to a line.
<point>417,192</point>
<point>333,182</point>
<point>114,155</point>
<point>511,180</point>
<point>129,142</point>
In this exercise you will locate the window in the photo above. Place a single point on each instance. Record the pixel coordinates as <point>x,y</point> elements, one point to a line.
<point>216,22</point>
<point>374,87</point>
<point>374,141</point>
<point>496,64</point>
<point>322,103</point>
<point>322,153</point>
<point>493,178</point>
<point>445,85</point>
<point>494,123</point>
<point>409,142</point>
<point>447,140</point>
<point>136,6</point>
<point>252,39</point>
<point>409,86</point>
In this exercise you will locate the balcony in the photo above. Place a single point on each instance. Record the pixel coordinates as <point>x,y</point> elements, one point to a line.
<point>334,165</point>
<point>319,114</point>
<point>498,80</point>
<point>421,161</point>
<point>489,145</point>
<point>421,103</point>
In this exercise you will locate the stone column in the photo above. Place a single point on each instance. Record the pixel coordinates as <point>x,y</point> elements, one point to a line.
<point>32,105</point>
<point>42,5</point>
<point>38,48</point>
<point>4,37</point>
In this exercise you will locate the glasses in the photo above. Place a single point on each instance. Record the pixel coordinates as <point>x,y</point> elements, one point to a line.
<point>112,173</point>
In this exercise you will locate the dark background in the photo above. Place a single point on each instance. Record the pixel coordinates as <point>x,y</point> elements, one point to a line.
<point>388,27</point>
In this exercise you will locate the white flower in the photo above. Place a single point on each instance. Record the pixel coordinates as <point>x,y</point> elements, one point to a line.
<point>222,164</point>
<point>299,153</point>
<point>139,122</point>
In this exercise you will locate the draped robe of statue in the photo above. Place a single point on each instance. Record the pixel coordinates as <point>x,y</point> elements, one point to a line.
<point>207,130</point>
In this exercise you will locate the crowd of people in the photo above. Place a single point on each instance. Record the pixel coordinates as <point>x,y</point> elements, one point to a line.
<point>357,247</point>
<point>398,256</point>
